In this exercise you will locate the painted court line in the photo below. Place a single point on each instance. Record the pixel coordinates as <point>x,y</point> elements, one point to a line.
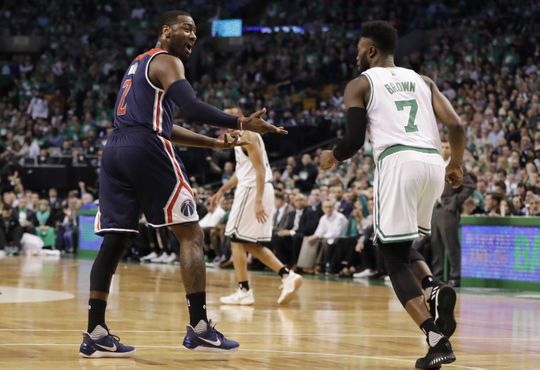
<point>351,335</point>
<point>394,359</point>
<point>297,353</point>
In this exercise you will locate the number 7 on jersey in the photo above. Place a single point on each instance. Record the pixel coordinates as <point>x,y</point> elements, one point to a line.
<point>413,105</point>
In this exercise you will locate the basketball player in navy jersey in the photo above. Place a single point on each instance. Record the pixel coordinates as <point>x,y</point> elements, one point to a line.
<point>142,171</point>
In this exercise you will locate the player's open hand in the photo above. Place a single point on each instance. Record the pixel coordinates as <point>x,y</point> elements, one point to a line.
<point>454,175</point>
<point>214,201</point>
<point>256,123</point>
<point>230,140</point>
<point>260,213</point>
<point>327,159</point>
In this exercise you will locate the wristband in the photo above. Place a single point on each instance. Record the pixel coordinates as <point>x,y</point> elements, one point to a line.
<point>241,123</point>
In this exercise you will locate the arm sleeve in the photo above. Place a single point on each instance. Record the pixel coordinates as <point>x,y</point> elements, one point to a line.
<point>355,135</point>
<point>197,111</point>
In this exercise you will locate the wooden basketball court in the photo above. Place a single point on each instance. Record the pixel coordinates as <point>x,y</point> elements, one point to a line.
<point>333,324</point>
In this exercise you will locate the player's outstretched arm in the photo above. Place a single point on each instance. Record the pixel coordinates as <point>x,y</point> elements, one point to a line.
<point>445,113</point>
<point>167,71</point>
<point>231,184</point>
<point>185,137</point>
<point>356,124</point>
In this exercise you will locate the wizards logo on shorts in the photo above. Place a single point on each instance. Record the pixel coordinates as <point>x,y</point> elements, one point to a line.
<point>187,208</point>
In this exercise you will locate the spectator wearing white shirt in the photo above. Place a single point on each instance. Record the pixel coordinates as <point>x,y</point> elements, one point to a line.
<point>38,107</point>
<point>317,249</point>
<point>330,226</point>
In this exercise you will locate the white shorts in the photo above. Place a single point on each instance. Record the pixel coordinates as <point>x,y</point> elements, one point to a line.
<point>242,225</point>
<point>408,182</point>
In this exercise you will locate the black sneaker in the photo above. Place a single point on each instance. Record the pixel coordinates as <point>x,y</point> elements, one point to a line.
<point>442,302</point>
<point>440,354</point>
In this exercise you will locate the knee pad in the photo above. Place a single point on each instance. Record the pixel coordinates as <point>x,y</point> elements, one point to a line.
<point>396,256</point>
<point>112,249</point>
<point>397,260</point>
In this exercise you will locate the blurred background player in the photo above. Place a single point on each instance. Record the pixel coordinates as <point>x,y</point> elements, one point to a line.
<point>141,169</point>
<point>402,109</point>
<point>250,222</point>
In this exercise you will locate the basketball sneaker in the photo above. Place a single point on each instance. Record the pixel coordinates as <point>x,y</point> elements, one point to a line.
<point>291,283</point>
<point>367,273</point>
<point>442,302</point>
<point>148,257</point>
<point>205,337</point>
<point>240,297</point>
<point>439,354</point>
<point>171,258</point>
<point>162,257</point>
<point>107,346</point>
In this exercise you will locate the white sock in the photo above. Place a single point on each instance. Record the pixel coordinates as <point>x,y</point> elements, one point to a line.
<point>98,332</point>
<point>433,338</point>
<point>201,327</point>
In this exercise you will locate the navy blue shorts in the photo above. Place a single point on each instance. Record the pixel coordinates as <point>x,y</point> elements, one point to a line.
<point>141,171</point>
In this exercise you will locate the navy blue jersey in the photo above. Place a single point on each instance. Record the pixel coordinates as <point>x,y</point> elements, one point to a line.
<point>140,102</point>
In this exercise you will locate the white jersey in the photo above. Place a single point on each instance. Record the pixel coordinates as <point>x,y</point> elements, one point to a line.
<point>400,111</point>
<point>242,225</point>
<point>245,172</point>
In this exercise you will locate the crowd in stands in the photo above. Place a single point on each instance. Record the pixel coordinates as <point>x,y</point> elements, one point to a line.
<point>58,104</point>
<point>32,221</point>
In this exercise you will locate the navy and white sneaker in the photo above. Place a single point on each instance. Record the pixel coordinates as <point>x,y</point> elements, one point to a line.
<point>107,346</point>
<point>209,340</point>
<point>442,302</point>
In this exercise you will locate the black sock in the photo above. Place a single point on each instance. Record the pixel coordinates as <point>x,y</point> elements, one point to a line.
<point>433,334</point>
<point>427,282</point>
<point>197,307</point>
<point>96,314</point>
<point>244,285</point>
<point>282,271</point>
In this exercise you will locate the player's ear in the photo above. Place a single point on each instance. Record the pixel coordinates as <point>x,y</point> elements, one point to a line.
<point>166,31</point>
<point>372,51</point>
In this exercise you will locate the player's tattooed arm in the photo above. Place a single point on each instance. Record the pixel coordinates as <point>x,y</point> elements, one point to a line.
<point>255,154</point>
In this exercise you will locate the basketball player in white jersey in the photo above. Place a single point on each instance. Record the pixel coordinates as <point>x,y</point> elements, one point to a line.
<point>250,222</point>
<point>401,109</point>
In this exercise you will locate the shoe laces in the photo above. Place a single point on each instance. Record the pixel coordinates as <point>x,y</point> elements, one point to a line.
<point>212,326</point>
<point>115,338</point>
